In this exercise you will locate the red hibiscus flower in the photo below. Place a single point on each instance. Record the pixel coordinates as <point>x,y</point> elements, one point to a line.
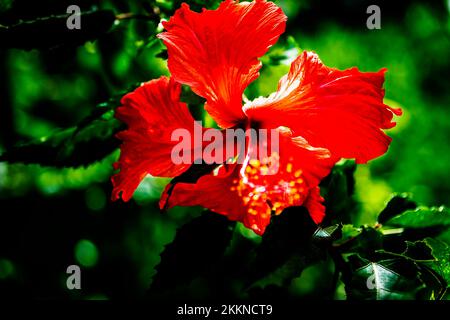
<point>321,114</point>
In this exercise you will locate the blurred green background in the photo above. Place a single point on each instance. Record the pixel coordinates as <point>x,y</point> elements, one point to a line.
<point>54,217</point>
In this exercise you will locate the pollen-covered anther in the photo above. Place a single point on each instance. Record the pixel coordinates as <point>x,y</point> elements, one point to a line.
<point>289,168</point>
<point>265,194</point>
<point>255,163</point>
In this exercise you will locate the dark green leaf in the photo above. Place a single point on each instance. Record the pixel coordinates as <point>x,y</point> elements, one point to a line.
<point>77,146</point>
<point>397,205</point>
<point>286,249</point>
<point>430,268</point>
<point>390,279</point>
<point>418,254</point>
<point>281,53</point>
<point>418,251</point>
<point>198,245</point>
<point>163,54</point>
<point>366,243</point>
<point>197,5</point>
<point>444,236</point>
<point>433,265</point>
<point>337,189</point>
<point>348,233</point>
<point>420,218</point>
<point>441,251</point>
<point>52,32</point>
<point>194,101</point>
<point>325,236</point>
<point>290,269</point>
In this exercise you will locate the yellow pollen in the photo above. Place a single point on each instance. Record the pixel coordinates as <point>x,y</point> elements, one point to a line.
<point>264,170</point>
<point>255,163</point>
<point>289,168</point>
<point>298,173</point>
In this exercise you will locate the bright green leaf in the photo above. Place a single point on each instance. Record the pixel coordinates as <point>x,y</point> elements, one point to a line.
<point>422,217</point>
<point>441,251</point>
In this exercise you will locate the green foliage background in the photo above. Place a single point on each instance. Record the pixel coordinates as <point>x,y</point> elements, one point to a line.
<point>54,216</point>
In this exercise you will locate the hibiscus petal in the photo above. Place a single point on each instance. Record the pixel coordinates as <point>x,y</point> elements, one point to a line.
<point>314,204</point>
<point>151,112</point>
<point>250,193</point>
<point>288,177</point>
<point>215,51</point>
<point>342,111</point>
<point>217,193</point>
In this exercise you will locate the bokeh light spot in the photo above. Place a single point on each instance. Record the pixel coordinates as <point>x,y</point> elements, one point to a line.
<point>6,268</point>
<point>95,198</point>
<point>86,253</point>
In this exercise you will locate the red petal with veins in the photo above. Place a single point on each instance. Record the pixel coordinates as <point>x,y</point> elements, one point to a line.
<point>151,112</point>
<point>250,193</point>
<point>314,204</point>
<point>211,191</point>
<point>215,52</point>
<point>342,111</point>
<point>287,178</point>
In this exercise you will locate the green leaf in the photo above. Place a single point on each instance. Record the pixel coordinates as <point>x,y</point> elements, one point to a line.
<point>325,236</point>
<point>337,189</point>
<point>288,270</point>
<point>194,101</point>
<point>348,233</point>
<point>307,253</point>
<point>441,251</point>
<point>433,265</point>
<point>390,279</point>
<point>286,249</point>
<point>398,204</point>
<point>197,247</point>
<point>163,54</point>
<point>422,217</point>
<point>428,267</point>
<point>365,241</point>
<point>444,236</point>
<point>197,5</point>
<point>52,32</point>
<point>418,251</point>
<point>282,53</point>
<point>78,146</point>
